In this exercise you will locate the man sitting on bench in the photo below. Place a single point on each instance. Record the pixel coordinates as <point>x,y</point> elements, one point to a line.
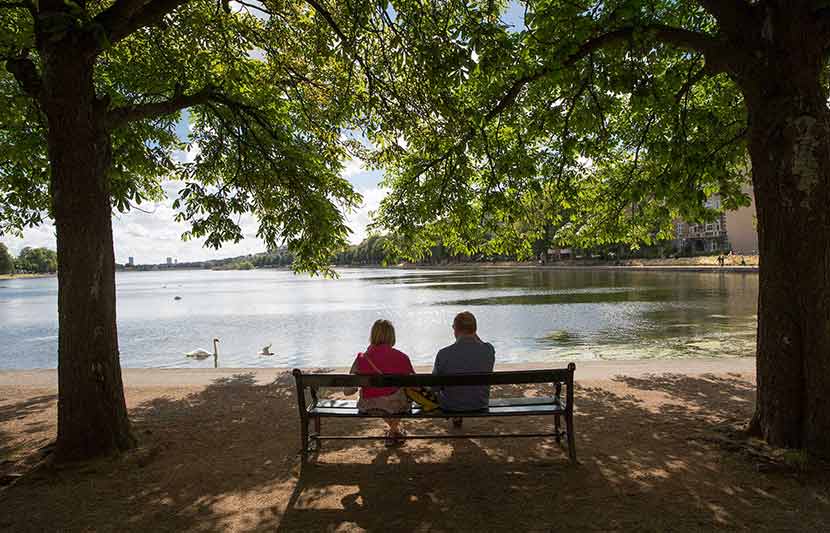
<point>468,355</point>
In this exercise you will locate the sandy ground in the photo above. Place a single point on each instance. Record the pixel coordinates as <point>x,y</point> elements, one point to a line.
<point>658,445</point>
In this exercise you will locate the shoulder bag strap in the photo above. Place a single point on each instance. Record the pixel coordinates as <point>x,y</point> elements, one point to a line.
<point>372,364</point>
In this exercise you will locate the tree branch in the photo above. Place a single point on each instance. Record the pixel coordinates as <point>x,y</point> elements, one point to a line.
<point>730,14</point>
<point>735,138</point>
<point>126,16</point>
<point>261,8</point>
<point>17,5</point>
<point>822,16</point>
<point>327,16</point>
<point>323,12</point>
<point>122,115</point>
<point>24,71</point>
<point>679,37</point>
<point>690,82</point>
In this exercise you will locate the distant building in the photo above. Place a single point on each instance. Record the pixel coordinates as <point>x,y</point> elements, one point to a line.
<point>706,237</point>
<point>743,227</point>
<point>733,230</point>
<point>169,260</point>
<point>131,261</point>
<point>558,254</point>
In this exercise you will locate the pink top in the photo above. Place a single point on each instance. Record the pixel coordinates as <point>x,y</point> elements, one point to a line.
<point>388,360</point>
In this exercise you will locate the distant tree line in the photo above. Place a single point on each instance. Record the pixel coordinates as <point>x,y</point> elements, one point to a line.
<point>376,250</point>
<point>278,258</point>
<point>6,260</point>
<point>240,264</point>
<point>371,251</point>
<point>30,260</point>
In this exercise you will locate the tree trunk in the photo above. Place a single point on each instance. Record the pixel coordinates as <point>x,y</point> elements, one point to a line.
<point>790,149</point>
<point>92,414</point>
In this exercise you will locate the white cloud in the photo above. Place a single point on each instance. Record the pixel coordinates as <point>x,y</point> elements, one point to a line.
<point>42,236</point>
<point>258,54</point>
<point>360,218</point>
<point>352,168</point>
<point>150,233</point>
<point>187,155</point>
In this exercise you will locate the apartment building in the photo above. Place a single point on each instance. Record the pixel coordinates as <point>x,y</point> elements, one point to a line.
<point>733,230</point>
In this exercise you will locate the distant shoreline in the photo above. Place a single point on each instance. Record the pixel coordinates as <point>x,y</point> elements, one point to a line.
<point>748,269</point>
<point>26,276</point>
<point>635,266</point>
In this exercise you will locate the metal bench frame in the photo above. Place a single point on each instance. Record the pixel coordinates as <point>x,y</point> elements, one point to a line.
<point>312,411</point>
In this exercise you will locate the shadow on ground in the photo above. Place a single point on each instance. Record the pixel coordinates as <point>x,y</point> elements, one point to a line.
<point>24,426</point>
<point>652,453</point>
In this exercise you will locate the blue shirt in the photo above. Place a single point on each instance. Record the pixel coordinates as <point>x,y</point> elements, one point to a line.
<point>467,355</point>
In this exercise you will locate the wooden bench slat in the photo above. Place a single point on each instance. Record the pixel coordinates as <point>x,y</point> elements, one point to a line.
<point>417,412</point>
<point>494,402</point>
<point>519,377</point>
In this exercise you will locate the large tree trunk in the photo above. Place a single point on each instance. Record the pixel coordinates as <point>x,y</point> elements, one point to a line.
<point>790,149</point>
<point>92,414</point>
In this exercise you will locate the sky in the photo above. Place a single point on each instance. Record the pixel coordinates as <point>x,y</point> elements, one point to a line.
<point>150,234</point>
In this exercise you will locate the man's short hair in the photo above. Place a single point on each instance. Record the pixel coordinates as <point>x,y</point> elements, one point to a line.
<point>465,322</point>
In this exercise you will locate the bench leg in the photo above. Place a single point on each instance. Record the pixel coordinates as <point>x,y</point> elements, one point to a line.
<point>569,427</point>
<point>304,441</point>
<point>317,430</point>
<point>556,429</point>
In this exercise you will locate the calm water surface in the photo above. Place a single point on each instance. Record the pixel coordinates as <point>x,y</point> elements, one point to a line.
<point>529,315</point>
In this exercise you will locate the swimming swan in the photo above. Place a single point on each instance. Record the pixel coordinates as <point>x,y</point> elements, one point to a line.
<point>204,354</point>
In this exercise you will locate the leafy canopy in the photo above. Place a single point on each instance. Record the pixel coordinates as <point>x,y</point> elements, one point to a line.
<point>589,123</point>
<point>269,97</point>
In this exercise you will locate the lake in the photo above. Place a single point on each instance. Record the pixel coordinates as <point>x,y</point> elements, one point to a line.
<point>530,315</point>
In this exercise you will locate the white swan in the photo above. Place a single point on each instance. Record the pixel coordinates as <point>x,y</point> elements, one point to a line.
<point>266,350</point>
<point>204,354</point>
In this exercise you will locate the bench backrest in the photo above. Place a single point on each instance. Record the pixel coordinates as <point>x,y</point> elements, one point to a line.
<point>556,376</point>
<point>518,377</point>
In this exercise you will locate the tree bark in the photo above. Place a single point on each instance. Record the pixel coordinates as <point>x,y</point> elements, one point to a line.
<point>790,150</point>
<point>92,414</point>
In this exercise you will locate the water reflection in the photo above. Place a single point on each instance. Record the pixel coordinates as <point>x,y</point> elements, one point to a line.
<point>528,314</point>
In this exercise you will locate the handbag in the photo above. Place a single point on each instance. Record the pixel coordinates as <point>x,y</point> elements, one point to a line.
<point>423,396</point>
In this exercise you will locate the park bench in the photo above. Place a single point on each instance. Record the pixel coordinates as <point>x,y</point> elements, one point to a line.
<point>313,409</point>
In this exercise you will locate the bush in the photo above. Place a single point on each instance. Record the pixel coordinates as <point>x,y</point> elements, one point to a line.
<point>6,260</point>
<point>37,260</point>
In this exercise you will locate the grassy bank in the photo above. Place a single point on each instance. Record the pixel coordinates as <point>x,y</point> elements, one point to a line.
<point>705,261</point>
<point>24,276</point>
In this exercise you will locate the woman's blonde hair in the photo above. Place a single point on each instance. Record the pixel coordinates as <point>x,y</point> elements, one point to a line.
<point>383,332</point>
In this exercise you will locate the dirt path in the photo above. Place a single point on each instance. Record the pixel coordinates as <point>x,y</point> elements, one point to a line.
<point>658,452</point>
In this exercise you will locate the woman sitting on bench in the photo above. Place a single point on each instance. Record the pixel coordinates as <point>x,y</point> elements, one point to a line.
<point>381,358</point>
